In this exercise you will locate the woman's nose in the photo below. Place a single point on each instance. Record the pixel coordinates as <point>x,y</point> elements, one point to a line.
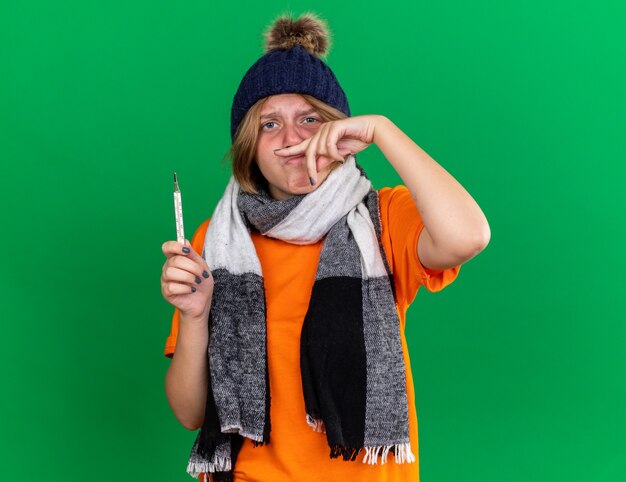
<point>292,136</point>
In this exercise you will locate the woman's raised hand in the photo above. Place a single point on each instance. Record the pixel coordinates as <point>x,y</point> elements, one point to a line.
<point>334,141</point>
<point>186,280</point>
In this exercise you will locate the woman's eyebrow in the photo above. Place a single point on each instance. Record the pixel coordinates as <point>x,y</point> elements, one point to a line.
<point>277,114</point>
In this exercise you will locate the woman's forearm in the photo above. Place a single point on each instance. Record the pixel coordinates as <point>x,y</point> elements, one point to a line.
<point>186,378</point>
<point>452,218</point>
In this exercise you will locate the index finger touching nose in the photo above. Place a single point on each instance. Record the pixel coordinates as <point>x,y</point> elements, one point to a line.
<point>292,150</point>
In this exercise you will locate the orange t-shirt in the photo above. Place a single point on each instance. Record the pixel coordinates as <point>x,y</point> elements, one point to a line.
<point>295,451</point>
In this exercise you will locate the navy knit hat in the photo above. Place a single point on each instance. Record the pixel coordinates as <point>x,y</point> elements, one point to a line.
<point>291,64</point>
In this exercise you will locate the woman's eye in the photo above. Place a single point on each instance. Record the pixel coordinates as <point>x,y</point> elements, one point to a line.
<point>310,120</point>
<point>269,125</point>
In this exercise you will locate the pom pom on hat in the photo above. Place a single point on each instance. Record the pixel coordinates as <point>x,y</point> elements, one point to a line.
<point>308,30</point>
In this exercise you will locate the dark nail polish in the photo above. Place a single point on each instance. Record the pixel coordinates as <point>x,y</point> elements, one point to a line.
<point>198,280</point>
<point>186,250</point>
<point>311,180</point>
<point>193,289</point>
<point>205,274</point>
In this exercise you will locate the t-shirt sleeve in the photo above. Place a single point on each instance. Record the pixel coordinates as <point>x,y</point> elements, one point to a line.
<point>402,226</point>
<point>197,243</point>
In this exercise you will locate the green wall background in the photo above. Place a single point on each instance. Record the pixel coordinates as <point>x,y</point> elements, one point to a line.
<point>519,365</point>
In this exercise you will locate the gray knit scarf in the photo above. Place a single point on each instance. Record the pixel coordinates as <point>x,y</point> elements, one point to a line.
<point>352,366</point>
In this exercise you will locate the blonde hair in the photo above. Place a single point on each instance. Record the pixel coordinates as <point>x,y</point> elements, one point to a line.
<point>242,152</point>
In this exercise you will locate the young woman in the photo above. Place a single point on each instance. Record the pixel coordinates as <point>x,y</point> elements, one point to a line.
<point>287,341</point>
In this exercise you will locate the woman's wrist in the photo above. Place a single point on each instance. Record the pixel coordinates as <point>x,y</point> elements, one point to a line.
<point>200,321</point>
<point>193,335</point>
<point>382,127</point>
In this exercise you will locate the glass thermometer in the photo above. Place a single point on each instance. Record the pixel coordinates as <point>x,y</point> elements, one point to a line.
<point>178,212</point>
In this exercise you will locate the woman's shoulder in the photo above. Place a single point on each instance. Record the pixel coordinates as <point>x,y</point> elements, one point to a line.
<point>396,201</point>
<point>387,194</point>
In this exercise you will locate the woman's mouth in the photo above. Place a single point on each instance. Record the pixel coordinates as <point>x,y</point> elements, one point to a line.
<point>295,159</point>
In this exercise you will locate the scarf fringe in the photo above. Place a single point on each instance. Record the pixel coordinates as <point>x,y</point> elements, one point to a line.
<point>220,464</point>
<point>348,453</point>
<point>402,453</point>
<point>316,424</point>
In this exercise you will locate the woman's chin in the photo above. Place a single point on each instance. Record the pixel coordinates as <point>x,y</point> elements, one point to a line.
<point>299,185</point>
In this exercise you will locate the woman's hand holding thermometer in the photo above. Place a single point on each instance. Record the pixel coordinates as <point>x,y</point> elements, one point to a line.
<point>186,280</point>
